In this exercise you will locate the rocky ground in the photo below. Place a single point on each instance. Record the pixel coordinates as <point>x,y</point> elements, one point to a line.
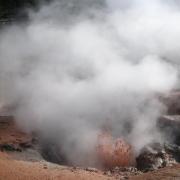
<point>20,157</point>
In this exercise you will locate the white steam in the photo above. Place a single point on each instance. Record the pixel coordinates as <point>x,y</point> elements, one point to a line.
<point>77,66</point>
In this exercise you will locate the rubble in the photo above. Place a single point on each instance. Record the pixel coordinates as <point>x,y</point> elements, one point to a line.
<point>174,150</point>
<point>156,155</point>
<point>90,169</point>
<point>123,172</point>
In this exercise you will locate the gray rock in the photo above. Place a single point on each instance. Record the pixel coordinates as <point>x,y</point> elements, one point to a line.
<point>155,156</point>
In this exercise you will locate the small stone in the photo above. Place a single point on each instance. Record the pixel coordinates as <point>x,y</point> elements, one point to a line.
<point>108,173</point>
<point>91,169</point>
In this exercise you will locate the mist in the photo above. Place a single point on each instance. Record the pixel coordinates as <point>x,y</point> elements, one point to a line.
<point>79,65</point>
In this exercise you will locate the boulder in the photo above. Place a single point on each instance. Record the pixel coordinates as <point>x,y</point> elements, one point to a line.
<point>155,156</point>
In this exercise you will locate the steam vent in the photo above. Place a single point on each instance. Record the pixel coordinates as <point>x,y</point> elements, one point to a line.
<point>114,153</point>
<point>89,89</point>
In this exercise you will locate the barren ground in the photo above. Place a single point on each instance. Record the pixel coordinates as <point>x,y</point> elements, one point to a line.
<point>14,168</point>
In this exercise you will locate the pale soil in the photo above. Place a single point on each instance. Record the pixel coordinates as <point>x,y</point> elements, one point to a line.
<point>21,170</point>
<point>13,167</point>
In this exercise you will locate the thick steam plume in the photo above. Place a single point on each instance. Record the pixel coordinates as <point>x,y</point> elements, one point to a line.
<point>79,65</point>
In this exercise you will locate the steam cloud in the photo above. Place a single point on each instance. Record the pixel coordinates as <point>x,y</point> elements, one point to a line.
<point>79,65</point>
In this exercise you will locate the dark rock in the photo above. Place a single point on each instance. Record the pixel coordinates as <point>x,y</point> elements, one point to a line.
<point>51,152</point>
<point>34,140</point>
<point>169,126</point>
<point>155,156</point>
<point>9,147</point>
<point>25,145</point>
<point>172,101</point>
<point>174,150</point>
<point>90,169</point>
<point>10,8</point>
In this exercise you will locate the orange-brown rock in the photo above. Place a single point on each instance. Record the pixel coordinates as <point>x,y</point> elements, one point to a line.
<point>114,152</point>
